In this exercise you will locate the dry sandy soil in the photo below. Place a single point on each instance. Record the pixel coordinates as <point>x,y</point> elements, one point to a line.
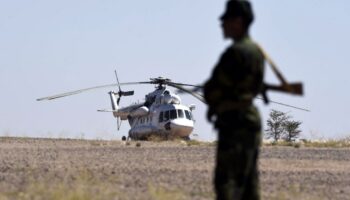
<point>82,169</point>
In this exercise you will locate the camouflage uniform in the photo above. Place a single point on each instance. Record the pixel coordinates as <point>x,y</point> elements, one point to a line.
<point>235,81</point>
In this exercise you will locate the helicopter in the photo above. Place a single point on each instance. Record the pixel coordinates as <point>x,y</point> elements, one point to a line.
<point>162,114</point>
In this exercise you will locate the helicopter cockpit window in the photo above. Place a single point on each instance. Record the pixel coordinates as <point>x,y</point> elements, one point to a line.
<point>188,115</point>
<point>166,115</point>
<point>166,92</point>
<point>161,117</point>
<point>173,114</point>
<point>180,113</point>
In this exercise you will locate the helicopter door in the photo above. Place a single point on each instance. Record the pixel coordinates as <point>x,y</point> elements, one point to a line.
<point>164,116</point>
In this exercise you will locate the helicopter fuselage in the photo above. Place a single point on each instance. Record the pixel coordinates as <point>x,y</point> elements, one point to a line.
<point>162,114</point>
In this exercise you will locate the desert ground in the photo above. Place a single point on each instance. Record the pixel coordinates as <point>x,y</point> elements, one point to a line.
<point>93,169</point>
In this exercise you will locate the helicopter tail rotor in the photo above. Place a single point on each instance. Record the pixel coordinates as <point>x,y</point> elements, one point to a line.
<point>121,93</point>
<point>115,99</point>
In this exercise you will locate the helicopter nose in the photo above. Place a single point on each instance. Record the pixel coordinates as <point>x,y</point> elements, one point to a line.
<point>181,128</point>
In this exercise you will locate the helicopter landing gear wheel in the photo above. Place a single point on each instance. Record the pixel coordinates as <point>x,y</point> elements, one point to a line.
<point>123,138</point>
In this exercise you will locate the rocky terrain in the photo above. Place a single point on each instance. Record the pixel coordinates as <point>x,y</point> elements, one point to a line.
<point>92,169</point>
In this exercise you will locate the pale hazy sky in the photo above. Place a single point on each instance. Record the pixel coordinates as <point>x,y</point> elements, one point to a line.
<point>49,47</point>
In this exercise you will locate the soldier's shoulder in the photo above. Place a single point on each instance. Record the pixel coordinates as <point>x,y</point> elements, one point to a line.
<point>247,46</point>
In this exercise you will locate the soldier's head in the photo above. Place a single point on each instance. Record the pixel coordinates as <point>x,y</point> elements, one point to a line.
<point>237,18</point>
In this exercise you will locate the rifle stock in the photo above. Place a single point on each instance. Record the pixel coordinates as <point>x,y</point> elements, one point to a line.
<point>290,88</point>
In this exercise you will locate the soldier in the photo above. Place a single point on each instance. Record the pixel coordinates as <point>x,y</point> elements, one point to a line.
<point>235,81</point>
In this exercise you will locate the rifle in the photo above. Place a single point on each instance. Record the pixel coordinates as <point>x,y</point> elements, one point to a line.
<point>290,88</point>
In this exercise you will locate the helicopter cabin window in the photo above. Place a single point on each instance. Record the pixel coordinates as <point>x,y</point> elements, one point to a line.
<point>188,115</point>
<point>180,113</point>
<point>173,114</point>
<point>161,117</point>
<point>166,115</point>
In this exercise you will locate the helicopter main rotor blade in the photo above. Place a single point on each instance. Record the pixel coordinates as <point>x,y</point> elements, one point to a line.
<point>88,89</point>
<point>153,81</point>
<point>185,84</point>
<point>287,105</point>
<point>195,91</point>
<point>196,95</point>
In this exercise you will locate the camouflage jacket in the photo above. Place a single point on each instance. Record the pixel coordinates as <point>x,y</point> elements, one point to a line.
<point>237,78</point>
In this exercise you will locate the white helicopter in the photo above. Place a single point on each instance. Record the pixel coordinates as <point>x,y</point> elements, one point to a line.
<point>162,114</point>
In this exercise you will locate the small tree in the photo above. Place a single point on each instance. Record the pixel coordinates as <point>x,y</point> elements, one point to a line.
<point>275,125</point>
<point>292,130</point>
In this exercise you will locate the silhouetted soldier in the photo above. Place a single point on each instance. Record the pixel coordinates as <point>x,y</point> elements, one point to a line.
<point>235,81</point>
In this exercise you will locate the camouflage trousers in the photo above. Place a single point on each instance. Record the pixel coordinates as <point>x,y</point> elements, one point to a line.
<point>236,173</point>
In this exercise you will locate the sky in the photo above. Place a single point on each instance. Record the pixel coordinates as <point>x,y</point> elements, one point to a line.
<point>50,47</point>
